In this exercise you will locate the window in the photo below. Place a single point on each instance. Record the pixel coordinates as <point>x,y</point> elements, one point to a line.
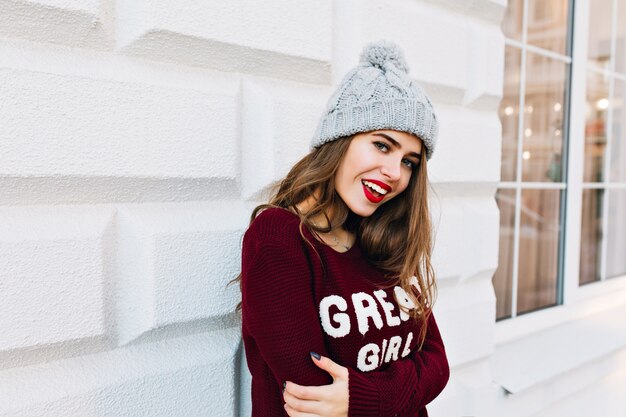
<point>603,227</point>
<point>531,193</point>
<point>542,178</point>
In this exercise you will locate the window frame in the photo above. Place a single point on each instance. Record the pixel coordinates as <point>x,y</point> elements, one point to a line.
<point>573,300</point>
<point>519,185</point>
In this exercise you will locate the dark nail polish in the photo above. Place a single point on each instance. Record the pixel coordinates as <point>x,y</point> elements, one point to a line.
<point>284,386</point>
<point>316,355</point>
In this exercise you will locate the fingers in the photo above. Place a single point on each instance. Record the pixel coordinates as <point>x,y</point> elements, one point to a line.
<point>335,370</point>
<point>325,400</point>
<point>300,406</point>
<point>301,392</point>
<point>294,413</point>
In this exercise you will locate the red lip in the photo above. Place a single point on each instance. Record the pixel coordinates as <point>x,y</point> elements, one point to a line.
<point>371,197</point>
<point>380,184</point>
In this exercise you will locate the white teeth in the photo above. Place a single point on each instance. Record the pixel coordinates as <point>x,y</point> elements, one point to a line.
<point>375,187</point>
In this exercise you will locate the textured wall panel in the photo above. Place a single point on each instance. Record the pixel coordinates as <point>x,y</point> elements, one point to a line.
<point>53,275</point>
<point>279,120</point>
<point>466,312</point>
<point>603,398</point>
<point>446,52</point>
<point>277,38</point>
<point>467,383</point>
<point>484,82</point>
<point>468,148</point>
<point>56,125</point>
<point>436,44</point>
<point>489,10</point>
<point>465,258</point>
<point>82,23</point>
<point>468,230</point>
<point>595,387</point>
<point>185,376</point>
<point>486,10</point>
<point>174,263</point>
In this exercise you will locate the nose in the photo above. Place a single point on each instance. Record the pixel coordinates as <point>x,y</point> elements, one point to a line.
<point>391,170</point>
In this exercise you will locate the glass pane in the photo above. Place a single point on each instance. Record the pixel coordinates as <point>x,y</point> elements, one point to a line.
<point>620,50</point>
<point>509,112</point>
<point>618,134</point>
<point>596,114</point>
<point>538,251</point>
<point>591,236</point>
<point>502,279</point>
<point>543,119</point>
<point>547,24</point>
<point>600,22</point>
<point>512,22</point>
<point>616,235</point>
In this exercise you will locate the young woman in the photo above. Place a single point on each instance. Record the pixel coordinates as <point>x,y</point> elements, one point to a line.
<point>337,285</point>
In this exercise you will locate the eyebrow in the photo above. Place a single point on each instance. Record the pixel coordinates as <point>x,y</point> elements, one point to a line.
<point>397,144</point>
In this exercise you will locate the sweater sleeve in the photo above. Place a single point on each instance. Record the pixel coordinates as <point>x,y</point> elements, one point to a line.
<point>279,310</point>
<point>405,386</point>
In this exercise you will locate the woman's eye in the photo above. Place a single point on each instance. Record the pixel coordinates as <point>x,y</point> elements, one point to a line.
<point>409,163</point>
<point>382,146</point>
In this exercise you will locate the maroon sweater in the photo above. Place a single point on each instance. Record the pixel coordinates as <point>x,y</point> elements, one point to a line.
<point>293,305</point>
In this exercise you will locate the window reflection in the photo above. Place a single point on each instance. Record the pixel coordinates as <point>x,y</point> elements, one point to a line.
<point>591,236</point>
<point>547,24</point>
<point>538,251</point>
<point>509,113</point>
<point>596,115</point>
<point>600,108</point>
<point>620,47</point>
<point>616,237</point>
<point>599,50</point>
<point>618,140</point>
<point>543,119</point>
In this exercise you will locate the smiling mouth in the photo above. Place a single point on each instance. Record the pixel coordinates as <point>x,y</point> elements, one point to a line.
<point>373,192</point>
<point>375,188</point>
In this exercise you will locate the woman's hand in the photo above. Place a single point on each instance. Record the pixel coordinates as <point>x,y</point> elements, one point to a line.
<point>324,401</point>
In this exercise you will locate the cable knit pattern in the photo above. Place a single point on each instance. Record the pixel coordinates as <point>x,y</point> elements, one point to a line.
<point>292,306</point>
<point>379,94</point>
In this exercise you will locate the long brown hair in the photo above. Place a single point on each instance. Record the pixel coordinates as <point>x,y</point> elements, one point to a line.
<point>396,238</point>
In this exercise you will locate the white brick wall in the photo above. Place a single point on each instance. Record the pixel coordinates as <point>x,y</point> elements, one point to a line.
<point>115,128</point>
<point>136,137</point>
<point>278,120</point>
<point>53,275</point>
<point>80,23</point>
<point>279,38</point>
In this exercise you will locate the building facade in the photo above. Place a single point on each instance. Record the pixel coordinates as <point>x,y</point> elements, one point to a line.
<point>137,136</point>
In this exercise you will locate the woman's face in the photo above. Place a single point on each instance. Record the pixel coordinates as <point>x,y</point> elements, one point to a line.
<point>376,168</point>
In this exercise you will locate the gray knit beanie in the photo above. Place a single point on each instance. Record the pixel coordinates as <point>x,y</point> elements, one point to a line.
<point>379,94</point>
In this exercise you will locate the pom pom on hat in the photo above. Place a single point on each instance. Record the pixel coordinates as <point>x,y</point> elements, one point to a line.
<point>377,54</point>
